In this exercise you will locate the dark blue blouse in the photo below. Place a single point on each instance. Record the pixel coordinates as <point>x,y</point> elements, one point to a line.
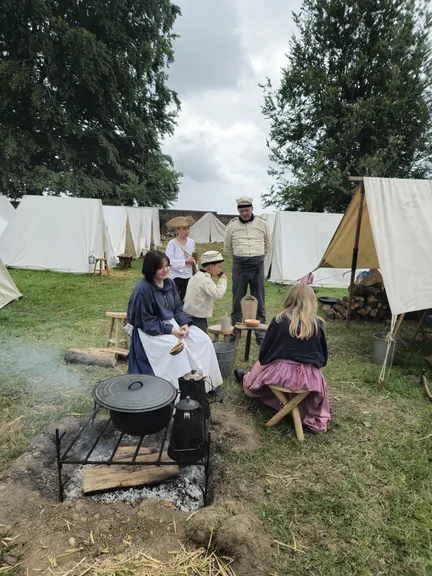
<point>150,307</point>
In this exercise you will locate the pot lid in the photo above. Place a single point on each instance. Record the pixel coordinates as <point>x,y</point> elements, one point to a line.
<point>193,375</point>
<point>187,405</point>
<point>134,393</point>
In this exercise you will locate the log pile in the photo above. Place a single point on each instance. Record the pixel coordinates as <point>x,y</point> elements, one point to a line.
<point>369,303</point>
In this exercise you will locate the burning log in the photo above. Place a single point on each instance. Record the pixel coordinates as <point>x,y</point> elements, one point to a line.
<point>102,478</point>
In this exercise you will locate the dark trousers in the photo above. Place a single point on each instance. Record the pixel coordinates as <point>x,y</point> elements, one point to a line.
<point>248,272</point>
<point>200,323</point>
<point>181,284</point>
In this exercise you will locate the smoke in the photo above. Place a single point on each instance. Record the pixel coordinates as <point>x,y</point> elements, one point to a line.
<point>38,366</point>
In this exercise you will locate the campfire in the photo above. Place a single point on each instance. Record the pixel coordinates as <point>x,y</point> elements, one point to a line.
<point>140,448</point>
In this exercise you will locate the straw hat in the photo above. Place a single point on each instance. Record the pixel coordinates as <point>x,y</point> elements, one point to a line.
<point>180,222</point>
<point>244,202</point>
<point>211,257</point>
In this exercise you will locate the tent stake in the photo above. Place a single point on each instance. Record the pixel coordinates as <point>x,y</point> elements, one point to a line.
<point>355,253</point>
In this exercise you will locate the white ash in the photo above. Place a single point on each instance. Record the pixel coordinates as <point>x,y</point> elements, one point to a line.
<point>185,492</point>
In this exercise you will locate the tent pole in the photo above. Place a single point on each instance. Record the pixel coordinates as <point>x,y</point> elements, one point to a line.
<point>355,252</point>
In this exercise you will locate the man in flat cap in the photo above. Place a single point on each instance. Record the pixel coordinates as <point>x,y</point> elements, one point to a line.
<point>247,238</point>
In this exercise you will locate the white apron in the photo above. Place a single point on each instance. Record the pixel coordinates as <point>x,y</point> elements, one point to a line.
<point>198,354</point>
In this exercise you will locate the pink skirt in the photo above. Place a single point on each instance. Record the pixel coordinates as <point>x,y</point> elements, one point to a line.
<point>314,409</point>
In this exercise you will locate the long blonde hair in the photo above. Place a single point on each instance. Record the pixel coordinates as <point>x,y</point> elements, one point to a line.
<point>301,308</point>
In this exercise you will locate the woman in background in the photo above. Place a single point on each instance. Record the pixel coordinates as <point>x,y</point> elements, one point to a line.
<point>180,253</point>
<point>292,355</point>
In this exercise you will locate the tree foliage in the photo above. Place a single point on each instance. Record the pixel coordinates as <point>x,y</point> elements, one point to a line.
<point>84,101</point>
<point>354,99</point>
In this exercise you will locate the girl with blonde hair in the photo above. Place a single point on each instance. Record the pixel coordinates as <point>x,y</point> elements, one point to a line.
<point>292,355</point>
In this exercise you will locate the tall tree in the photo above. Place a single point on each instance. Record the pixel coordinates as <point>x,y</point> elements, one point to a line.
<point>84,101</point>
<point>355,98</point>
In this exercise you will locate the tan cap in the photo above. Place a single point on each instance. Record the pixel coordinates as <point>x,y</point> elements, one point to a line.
<point>180,222</point>
<point>244,202</point>
<point>211,257</point>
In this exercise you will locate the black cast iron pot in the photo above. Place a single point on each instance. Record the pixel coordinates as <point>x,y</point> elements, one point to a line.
<point>138,404</point>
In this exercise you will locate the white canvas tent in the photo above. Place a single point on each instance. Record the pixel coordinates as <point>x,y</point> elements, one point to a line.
<point>59,234</point>
<point>147,227</point>
<point>8,290</point>
<point>208,229</point>
<point>270,217</point>
<point>298,242</point>
<point>119,230</point>
<point>394,221</point>
<point>155,226</point>
<point>136,227</point>
<point>7,213</point>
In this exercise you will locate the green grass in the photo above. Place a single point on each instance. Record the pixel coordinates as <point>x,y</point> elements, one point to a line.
<point>359,501</point>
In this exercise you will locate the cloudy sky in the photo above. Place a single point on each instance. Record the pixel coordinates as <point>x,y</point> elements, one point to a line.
<point>226,48</point>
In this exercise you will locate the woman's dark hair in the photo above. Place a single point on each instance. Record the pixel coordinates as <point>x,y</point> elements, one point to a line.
<point>153,261</point>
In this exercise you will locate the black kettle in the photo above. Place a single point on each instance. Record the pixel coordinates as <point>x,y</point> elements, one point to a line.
<point>188,441</point>
<point>193,385</point>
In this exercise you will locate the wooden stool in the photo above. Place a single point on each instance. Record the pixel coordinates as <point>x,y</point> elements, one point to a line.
<point>103,267</point>
<point>125,261</point>
<point>217,331</point>
<point>289,406</point>
<point>120,320</point>
<point>239,328</point>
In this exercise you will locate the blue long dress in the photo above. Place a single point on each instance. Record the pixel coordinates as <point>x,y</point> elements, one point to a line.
<point>150,308</point>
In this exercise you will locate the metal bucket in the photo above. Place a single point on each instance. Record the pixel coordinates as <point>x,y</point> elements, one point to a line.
<point>380,349</point>
<point>225,354</point>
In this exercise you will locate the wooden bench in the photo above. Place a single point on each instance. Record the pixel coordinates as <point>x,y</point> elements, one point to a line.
<point>101,267</point>
<point>125,261</point>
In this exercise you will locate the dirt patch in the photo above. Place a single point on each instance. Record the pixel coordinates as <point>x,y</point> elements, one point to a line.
<point>242,536</point>
<point>52,533</point>
<point>232,432</point>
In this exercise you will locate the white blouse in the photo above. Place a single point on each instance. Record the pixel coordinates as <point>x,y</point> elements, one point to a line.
<point>178,266</point>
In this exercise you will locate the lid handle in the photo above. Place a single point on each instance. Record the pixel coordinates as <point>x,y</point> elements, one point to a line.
<point>131,386</point>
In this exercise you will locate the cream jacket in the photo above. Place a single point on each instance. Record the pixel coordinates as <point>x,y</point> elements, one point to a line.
<point>201,293</point>
<point>248,239</point>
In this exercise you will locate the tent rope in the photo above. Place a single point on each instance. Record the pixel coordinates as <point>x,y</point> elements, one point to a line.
<point>389,341</point>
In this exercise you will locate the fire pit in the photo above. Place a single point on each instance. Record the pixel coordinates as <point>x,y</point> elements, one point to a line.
<point>106,450</point>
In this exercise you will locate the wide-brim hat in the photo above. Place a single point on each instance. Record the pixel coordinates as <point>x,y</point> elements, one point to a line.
<point>180,222</point>
<point>244,202</point>
<point>211,257</point>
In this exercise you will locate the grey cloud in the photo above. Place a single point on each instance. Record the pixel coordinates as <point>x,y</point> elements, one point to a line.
<point>196,159</point>
<point>209,53</point>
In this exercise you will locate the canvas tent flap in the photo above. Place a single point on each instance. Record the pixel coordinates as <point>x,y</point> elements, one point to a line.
<point>155,226</point>
<point>56,233</point>
<point>208,229</point>
<point>339,252</point>
<point>136,227</point>
<point>299,239</point>
<point>119,230</point>
<point>8,290</point>
<point>401,220</point>
<point>147,227</point>
<point>7,213</point>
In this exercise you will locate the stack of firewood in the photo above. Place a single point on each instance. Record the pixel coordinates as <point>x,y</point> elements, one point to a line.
<point>368,303</point>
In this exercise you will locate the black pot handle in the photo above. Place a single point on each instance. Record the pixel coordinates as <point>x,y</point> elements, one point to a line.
<point>136,382</point>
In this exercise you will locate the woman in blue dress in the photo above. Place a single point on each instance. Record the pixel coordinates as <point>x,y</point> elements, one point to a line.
<point>156,321</point>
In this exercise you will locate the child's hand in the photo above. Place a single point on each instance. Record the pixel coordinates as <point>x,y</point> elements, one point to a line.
<point>223,277</point>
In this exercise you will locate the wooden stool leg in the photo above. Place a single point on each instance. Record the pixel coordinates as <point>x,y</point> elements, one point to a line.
<point>226,338</point>
<point>297,424</point>
<point>248,345</point>
<point>118,328</point>
<point>216,337</point>
<point>286,409</point>
<point>237,340</point>
<point>110,331</point>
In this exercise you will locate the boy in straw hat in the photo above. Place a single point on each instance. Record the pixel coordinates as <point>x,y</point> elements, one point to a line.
<point>202,291</point>
<point>180,250</point>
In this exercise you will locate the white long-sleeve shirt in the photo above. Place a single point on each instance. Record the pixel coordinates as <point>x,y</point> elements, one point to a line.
<point>201,294</point>
<point>178,266</point>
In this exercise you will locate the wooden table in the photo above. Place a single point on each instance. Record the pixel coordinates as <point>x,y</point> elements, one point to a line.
<point>217,331</point>
<point>240,327</point>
